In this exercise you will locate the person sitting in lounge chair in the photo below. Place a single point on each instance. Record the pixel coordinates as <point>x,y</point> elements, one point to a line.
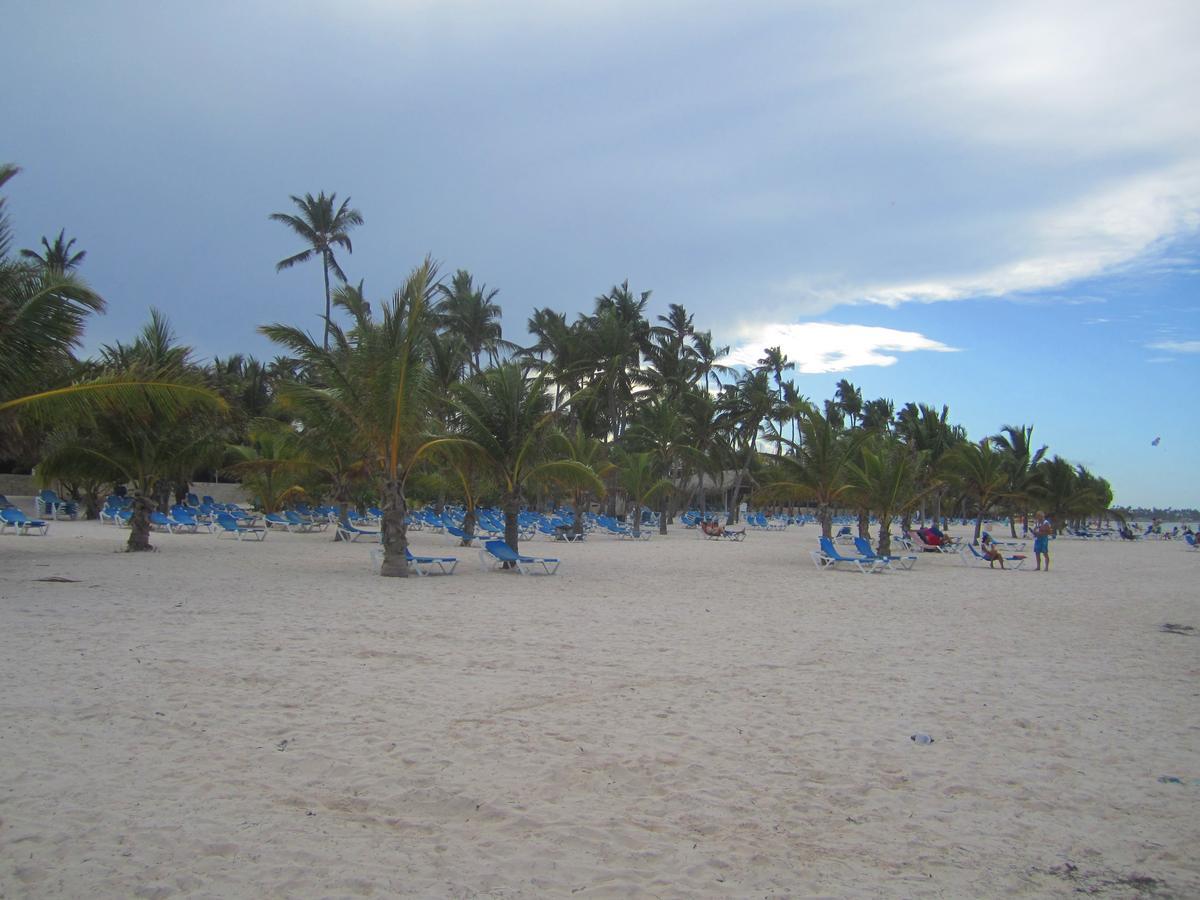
<point>988,548</point>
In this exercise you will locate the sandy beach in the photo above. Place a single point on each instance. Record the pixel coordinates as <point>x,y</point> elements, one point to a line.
<point>676,718</point>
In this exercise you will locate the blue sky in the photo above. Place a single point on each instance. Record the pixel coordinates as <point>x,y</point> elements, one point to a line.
<point>993,206</point>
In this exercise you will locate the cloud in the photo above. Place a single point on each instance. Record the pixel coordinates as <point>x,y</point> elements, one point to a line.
<point>1176,346</point>
<point>1118,225</point>
<point>819,347</point>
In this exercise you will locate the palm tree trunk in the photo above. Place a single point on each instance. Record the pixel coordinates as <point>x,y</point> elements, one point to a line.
<point>395,532</point>
<point>328,306</point>
<point>139,524</point>
<point>512,509</point>
<point>864,524</point>
<point>662,515</point>
<point>732,516</point>
<point>885,539</point>
<point>636,521</point>
<point>703,505</point>
<point>826,519</point>
<point>468,526</point>
<point>577,509</point>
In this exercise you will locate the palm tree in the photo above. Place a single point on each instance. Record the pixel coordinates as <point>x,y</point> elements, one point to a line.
<point>269,465</point>
<point>849,400</point>
<point>745,406</point>
<point>1015,443</point>
<point>977,471</point>
<point>581,447</point>
<point>640,476</point>
<point>883,480</point>
<point>928,433</point>
<point>374,381</point>
<point>877,415</point>
<point>469,312</point>
<point>661,429</point>
<point>57,257</point>
<point>819,470</point>
<point>507,416</point>
<point>707,354</point>
<point>704,427</point>
<point>322,228</point>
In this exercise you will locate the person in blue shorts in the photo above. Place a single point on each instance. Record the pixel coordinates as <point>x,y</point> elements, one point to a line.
<point>1041,540</point>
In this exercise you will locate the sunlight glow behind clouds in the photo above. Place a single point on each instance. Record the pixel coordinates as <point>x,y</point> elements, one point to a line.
<point>819,347</point>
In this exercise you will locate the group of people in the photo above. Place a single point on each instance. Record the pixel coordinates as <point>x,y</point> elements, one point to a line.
<point>1042,530</point>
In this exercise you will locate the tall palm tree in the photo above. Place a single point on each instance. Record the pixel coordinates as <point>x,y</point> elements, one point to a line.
<point>469,312</point>
<point>704,428</point>
<point>877,414</point>
<point>849,400</point>
<point>676,326</point>
<point>323,228</point>
<point>373,380</point>
<point>744,408</point>
<point>57,257</point>
<point>508,417</point>
<point>661,429</point>
<point>707,354</point>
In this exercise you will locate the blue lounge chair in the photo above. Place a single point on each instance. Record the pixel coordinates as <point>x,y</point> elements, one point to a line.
<point>460,534</point>
<point>303,522</point>
<point>49,504</point>
<point>277,521</point>
<point>496,553</point>
<point>972,557</point>
<point>13,518</point>
<point>867,552</point>
<point>420,564</point>
<point>224,523</point>
<point>828,557</point>
<point>160,522</point>
<point>4,502</point>
<point>351,532</point>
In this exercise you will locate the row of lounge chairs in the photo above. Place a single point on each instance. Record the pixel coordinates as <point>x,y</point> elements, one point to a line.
<point>868,562</point>
<point>495,554</point>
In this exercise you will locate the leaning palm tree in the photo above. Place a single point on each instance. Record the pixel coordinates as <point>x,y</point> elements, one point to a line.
<point>322,227</point>
<point>374,381</point>
<point>507,415</point>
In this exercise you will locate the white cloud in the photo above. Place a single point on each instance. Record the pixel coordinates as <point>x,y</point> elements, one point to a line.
<point>818,347</point>
<point>1177,346</point>
<point>1111,227</point>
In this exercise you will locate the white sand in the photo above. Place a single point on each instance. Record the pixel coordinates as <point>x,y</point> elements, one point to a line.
<point>679,718</point>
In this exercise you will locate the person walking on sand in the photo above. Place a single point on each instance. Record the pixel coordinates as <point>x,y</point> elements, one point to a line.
<point>1041,540</point>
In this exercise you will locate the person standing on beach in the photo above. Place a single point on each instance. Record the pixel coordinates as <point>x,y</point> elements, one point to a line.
<point>1041,540</point>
